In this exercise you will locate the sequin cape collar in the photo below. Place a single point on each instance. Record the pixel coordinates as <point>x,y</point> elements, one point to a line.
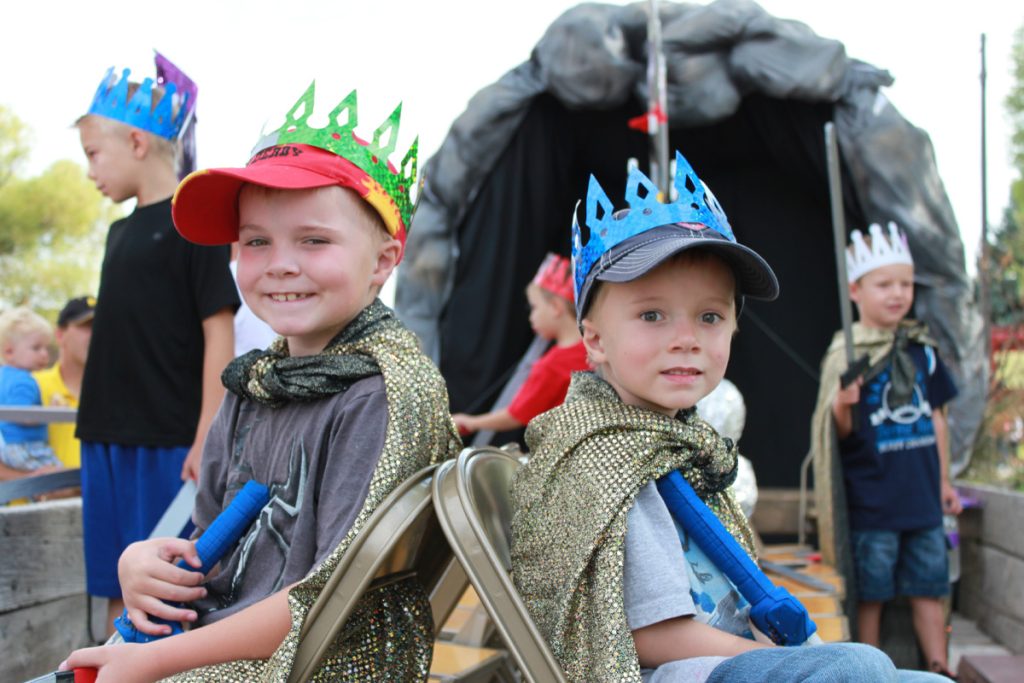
<point>589,459</point>
<point>877,344</point>
<point>390,635</point>
<point>274,378</point>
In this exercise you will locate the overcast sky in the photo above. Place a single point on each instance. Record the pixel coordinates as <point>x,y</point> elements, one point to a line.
<point>252,59</point>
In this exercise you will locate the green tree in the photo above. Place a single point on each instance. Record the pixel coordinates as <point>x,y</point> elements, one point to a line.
<point>1007,246</point>
<point>13,144</point>
<point>51,227</point>
<point>1015,110</point>
<point>997,458</point>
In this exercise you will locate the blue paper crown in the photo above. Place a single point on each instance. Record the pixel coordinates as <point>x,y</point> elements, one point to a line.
<point>111,100</point>
<point>695,204</point>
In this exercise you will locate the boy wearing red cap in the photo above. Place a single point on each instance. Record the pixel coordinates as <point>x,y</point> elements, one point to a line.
<point>552,317</point>
<point>339,410</point>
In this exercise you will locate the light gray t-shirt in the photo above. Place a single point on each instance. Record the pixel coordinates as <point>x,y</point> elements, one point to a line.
<point>663,580</point>
<point>316,457</point>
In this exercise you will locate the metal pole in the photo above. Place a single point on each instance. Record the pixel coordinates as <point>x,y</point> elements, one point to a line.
<point>984,254</point>
<point>835,192</point>
<point>657,122</point>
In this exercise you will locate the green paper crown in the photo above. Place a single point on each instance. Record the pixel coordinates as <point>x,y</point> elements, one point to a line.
<point>340,139</point>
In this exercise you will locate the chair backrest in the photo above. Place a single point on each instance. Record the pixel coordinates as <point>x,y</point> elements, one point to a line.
<point>401,538</point>
<point>473,505</point>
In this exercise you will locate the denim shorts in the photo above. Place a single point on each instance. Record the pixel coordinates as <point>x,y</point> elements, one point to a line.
<point>890,563</point>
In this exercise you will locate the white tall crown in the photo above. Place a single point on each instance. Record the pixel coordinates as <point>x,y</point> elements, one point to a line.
<point>884,250</point>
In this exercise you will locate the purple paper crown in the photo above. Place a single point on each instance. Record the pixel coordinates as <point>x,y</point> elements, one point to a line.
<point>111,100</point>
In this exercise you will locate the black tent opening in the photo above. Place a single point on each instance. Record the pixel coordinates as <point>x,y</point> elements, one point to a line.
<point>766,165</point>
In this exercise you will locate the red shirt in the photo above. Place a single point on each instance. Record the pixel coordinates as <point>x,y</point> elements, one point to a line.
<point>548,381</point>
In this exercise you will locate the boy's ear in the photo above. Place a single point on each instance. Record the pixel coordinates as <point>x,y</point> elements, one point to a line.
<point>387,258</point>
<point>593,343</point>
<point>139,143</point>
<point>855,291</point>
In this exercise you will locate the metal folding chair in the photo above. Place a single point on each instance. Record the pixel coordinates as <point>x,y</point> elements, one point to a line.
<point>400,539</point>
<point>471,496</point>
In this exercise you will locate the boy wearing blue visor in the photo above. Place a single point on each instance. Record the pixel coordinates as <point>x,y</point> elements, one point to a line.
<point>608,570</point>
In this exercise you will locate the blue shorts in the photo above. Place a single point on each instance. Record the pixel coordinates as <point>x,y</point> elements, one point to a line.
<point>125,490</point>
<point>891,563</point>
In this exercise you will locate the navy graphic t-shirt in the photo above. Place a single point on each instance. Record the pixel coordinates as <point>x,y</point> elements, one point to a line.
<point>891,461</point>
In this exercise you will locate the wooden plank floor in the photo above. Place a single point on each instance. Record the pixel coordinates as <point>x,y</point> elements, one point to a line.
<point>824,608</point>
<point>453,662</point>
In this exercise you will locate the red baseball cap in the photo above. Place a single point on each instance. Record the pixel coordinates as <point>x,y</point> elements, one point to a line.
<point>205,205</point>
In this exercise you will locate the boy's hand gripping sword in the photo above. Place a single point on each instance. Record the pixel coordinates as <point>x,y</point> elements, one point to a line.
<point>221,535</point>
<point>773,610</point>
<point>218,538</point>
<point>855,367</point>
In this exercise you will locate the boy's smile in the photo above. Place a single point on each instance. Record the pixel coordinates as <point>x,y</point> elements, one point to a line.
<point>663,340</point>
<point>309,261</point>
<point>884,295</point>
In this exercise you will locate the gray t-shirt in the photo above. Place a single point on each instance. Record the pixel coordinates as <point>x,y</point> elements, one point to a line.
<point>663,580</point>
<point>316,457</point>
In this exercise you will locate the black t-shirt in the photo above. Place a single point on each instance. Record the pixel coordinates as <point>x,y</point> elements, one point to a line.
<point>144,375</point>
<point>891,461</point>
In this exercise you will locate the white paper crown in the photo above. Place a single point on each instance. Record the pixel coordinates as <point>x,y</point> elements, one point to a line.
<point>885,250</point>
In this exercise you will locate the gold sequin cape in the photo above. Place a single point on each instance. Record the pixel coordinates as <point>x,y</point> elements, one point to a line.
<point>877,344</point>
<point>589,459</point>
<point>389,637</point>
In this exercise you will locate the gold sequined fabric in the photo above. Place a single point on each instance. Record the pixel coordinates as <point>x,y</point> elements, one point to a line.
<point>877,344</point>
<point>589,459</point>
<point>273,377</point>
<point>389,637</point>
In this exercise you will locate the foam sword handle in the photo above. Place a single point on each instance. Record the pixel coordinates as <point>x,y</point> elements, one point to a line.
<point>219,537</point>
<point>229,526</point>
<point>773,610</point>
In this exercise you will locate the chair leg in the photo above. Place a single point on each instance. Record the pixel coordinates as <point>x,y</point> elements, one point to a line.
<point>507,674</point>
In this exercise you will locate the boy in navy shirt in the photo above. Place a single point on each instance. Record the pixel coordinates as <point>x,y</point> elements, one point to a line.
<point>895,456</point>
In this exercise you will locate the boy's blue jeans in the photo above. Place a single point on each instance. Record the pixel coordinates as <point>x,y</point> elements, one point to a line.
<point>832,663</point>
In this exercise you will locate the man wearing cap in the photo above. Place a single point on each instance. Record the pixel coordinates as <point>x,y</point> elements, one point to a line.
<point>61,384</point>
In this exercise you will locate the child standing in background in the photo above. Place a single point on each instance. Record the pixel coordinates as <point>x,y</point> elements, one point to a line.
<point>552,317</point>
<point>161,336</point>
<point>895,456</point>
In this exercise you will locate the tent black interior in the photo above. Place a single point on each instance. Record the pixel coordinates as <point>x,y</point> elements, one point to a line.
<point>766,165</point>
<point>747,97</point>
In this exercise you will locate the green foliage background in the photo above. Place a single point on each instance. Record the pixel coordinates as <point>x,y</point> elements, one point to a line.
<point>998,455</point>
<point>52,226</point>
